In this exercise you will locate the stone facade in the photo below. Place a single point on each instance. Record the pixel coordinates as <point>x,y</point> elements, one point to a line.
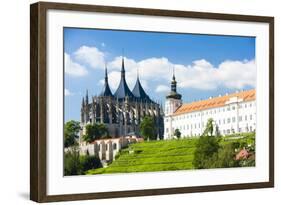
<point>106,149</point>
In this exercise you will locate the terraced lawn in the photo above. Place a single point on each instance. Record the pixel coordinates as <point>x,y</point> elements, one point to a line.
<point>152,156</point>
<point>162,155</point>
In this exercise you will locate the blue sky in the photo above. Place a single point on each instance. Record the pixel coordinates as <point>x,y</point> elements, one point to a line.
<point>205,65</point>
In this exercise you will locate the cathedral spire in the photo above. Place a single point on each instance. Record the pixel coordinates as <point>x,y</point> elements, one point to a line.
<point>123,67</point>
<point>138,90</point>
<point>123,89</point>
<point>83,102</point>
<point>87,97</point>
<point>106,89</point>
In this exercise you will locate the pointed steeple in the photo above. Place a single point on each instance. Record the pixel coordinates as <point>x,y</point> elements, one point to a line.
<point>87,97</point>
<point>123,68</point>
<point>83,102</point>
<point>174,78</point>
<point>106,89</point>
<point>123,89</point>
<point>138,90</point>
<point>173,93</point>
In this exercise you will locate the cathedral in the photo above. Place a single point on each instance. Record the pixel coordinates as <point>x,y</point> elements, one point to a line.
<point>122,111</point>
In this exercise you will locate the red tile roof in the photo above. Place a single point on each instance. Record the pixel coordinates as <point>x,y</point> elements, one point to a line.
<point>247,95</point>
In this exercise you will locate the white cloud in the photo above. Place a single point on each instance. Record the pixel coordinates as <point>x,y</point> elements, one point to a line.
<point>237,74</point>
<point>201,74</point>
<point>67,92</point>
<point>91,56</point>
<point>72,68</point>
<point>162,89</point>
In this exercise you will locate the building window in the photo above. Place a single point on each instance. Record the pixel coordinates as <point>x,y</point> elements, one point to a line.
<point>114,146</point>
<point>228,131</point>
<point>228,108</point>
<point>187,126</point>
<point>223,109</point>
<point>239,129</point>
<point>233,107</point>
<point>233,119</point>
<point>251,129</point>
<point>167,129</point>
<point>250,104</point>
<point>240,118</point>
<point>251,117</point>
<point>228,120</point>
<point>198,125</point>
<point>223,121</point>
<point>245,117</point>
<point>194,126</point>
<point>245,105</point>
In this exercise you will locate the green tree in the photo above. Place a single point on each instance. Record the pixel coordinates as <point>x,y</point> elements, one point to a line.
<point>71,131</point>
<point>177,133</point>
<point>206,148</point>
<point>148,128</point>
<point>225,157</point>
<point>89,162</point>
<point>76,164</point>
<point>72,165</point>
<point>95,131</point>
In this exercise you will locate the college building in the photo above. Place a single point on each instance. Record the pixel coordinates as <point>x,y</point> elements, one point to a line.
<point>232,113</point>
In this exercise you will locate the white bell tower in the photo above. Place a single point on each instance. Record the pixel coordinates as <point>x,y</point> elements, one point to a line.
<point>172,103</point>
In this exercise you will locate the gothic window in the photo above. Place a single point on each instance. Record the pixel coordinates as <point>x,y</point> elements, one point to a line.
<point>114,146</point>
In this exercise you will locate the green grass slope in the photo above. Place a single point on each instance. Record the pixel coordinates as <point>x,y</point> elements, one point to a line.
<point>152,156</point>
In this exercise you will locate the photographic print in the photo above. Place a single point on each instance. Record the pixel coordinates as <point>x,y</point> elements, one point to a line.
<point>138,101</point>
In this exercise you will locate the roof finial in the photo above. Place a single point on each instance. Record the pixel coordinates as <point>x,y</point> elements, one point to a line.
<point>174,73</point>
